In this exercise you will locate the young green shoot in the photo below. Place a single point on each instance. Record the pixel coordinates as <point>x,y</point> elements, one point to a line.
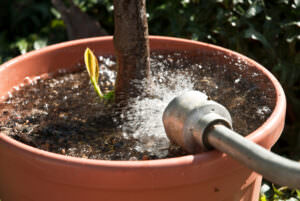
<point>92,67</point>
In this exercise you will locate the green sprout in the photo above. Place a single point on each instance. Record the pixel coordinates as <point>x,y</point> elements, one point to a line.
<point>92,67</point>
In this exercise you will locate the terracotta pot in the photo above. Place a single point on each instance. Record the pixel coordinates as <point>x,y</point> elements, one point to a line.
<point>30,174</point>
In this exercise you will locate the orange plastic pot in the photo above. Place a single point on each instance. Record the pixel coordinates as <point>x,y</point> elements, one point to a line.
<point>30,174</point>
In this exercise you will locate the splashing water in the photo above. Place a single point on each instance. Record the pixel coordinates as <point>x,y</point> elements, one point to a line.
<point>144,117</point>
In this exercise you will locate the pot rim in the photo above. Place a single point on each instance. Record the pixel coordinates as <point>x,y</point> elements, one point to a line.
<point>256,136</point>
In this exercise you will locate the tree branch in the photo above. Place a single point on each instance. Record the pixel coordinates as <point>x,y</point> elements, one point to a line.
<point>78,23</point>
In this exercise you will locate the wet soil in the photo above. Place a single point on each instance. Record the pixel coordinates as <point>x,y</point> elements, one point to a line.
<point>64,115</point>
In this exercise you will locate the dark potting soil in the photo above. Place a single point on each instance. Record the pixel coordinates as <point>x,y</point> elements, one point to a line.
<point>64,115</point>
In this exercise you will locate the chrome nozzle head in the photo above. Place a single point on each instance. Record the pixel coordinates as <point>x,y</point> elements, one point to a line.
<point>188,117</point>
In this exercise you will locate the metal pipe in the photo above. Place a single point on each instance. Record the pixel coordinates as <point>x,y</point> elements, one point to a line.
<point>277,169</point>
<point>198,124</point>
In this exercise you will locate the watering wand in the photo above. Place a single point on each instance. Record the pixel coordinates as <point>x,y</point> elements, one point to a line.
<point>198,124</point>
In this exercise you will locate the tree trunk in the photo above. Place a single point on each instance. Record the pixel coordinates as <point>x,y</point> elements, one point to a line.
<point>132,48</point>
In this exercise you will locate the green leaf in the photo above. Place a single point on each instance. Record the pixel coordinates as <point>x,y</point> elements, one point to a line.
<point>57,23</point>
<point>277,191</point>
<point>265,188</point>
<point>92,67</point>
<point>293,23</point>
<point>283,1</point>
<point>55,13</point>
<point>109,96</point>
<point>40,43</point>
<point>251,33</point>
<point>263,198</point>
<point>22,46</point>
<point>266,191</point>
<point>253,11</point>
<point>293,38</point>
<point>298,193</point>
<point>237,1</point>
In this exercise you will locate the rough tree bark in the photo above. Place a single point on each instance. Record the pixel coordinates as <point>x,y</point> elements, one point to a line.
<point>78,23</point>
<point>132,48</point>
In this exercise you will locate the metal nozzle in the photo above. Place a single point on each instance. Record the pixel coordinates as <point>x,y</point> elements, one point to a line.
<point>188,117</point>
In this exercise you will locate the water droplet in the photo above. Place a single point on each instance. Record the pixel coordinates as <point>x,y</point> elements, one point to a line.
<point>9,94</point>
<point>237,80</point>
<point>16,88</point>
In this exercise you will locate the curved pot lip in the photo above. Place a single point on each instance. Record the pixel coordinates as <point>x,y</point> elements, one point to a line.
<point>258,135</point>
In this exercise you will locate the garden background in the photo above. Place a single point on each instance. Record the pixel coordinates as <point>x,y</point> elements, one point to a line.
<point>267,31</point>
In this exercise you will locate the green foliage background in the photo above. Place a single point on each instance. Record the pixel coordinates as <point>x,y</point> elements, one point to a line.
<point>267,31</point>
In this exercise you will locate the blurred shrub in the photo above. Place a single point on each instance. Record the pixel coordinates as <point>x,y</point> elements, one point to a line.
<point>26,25</point>
<point>269,192</point>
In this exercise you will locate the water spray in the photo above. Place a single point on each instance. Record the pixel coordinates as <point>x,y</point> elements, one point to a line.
<point>198,124</point>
